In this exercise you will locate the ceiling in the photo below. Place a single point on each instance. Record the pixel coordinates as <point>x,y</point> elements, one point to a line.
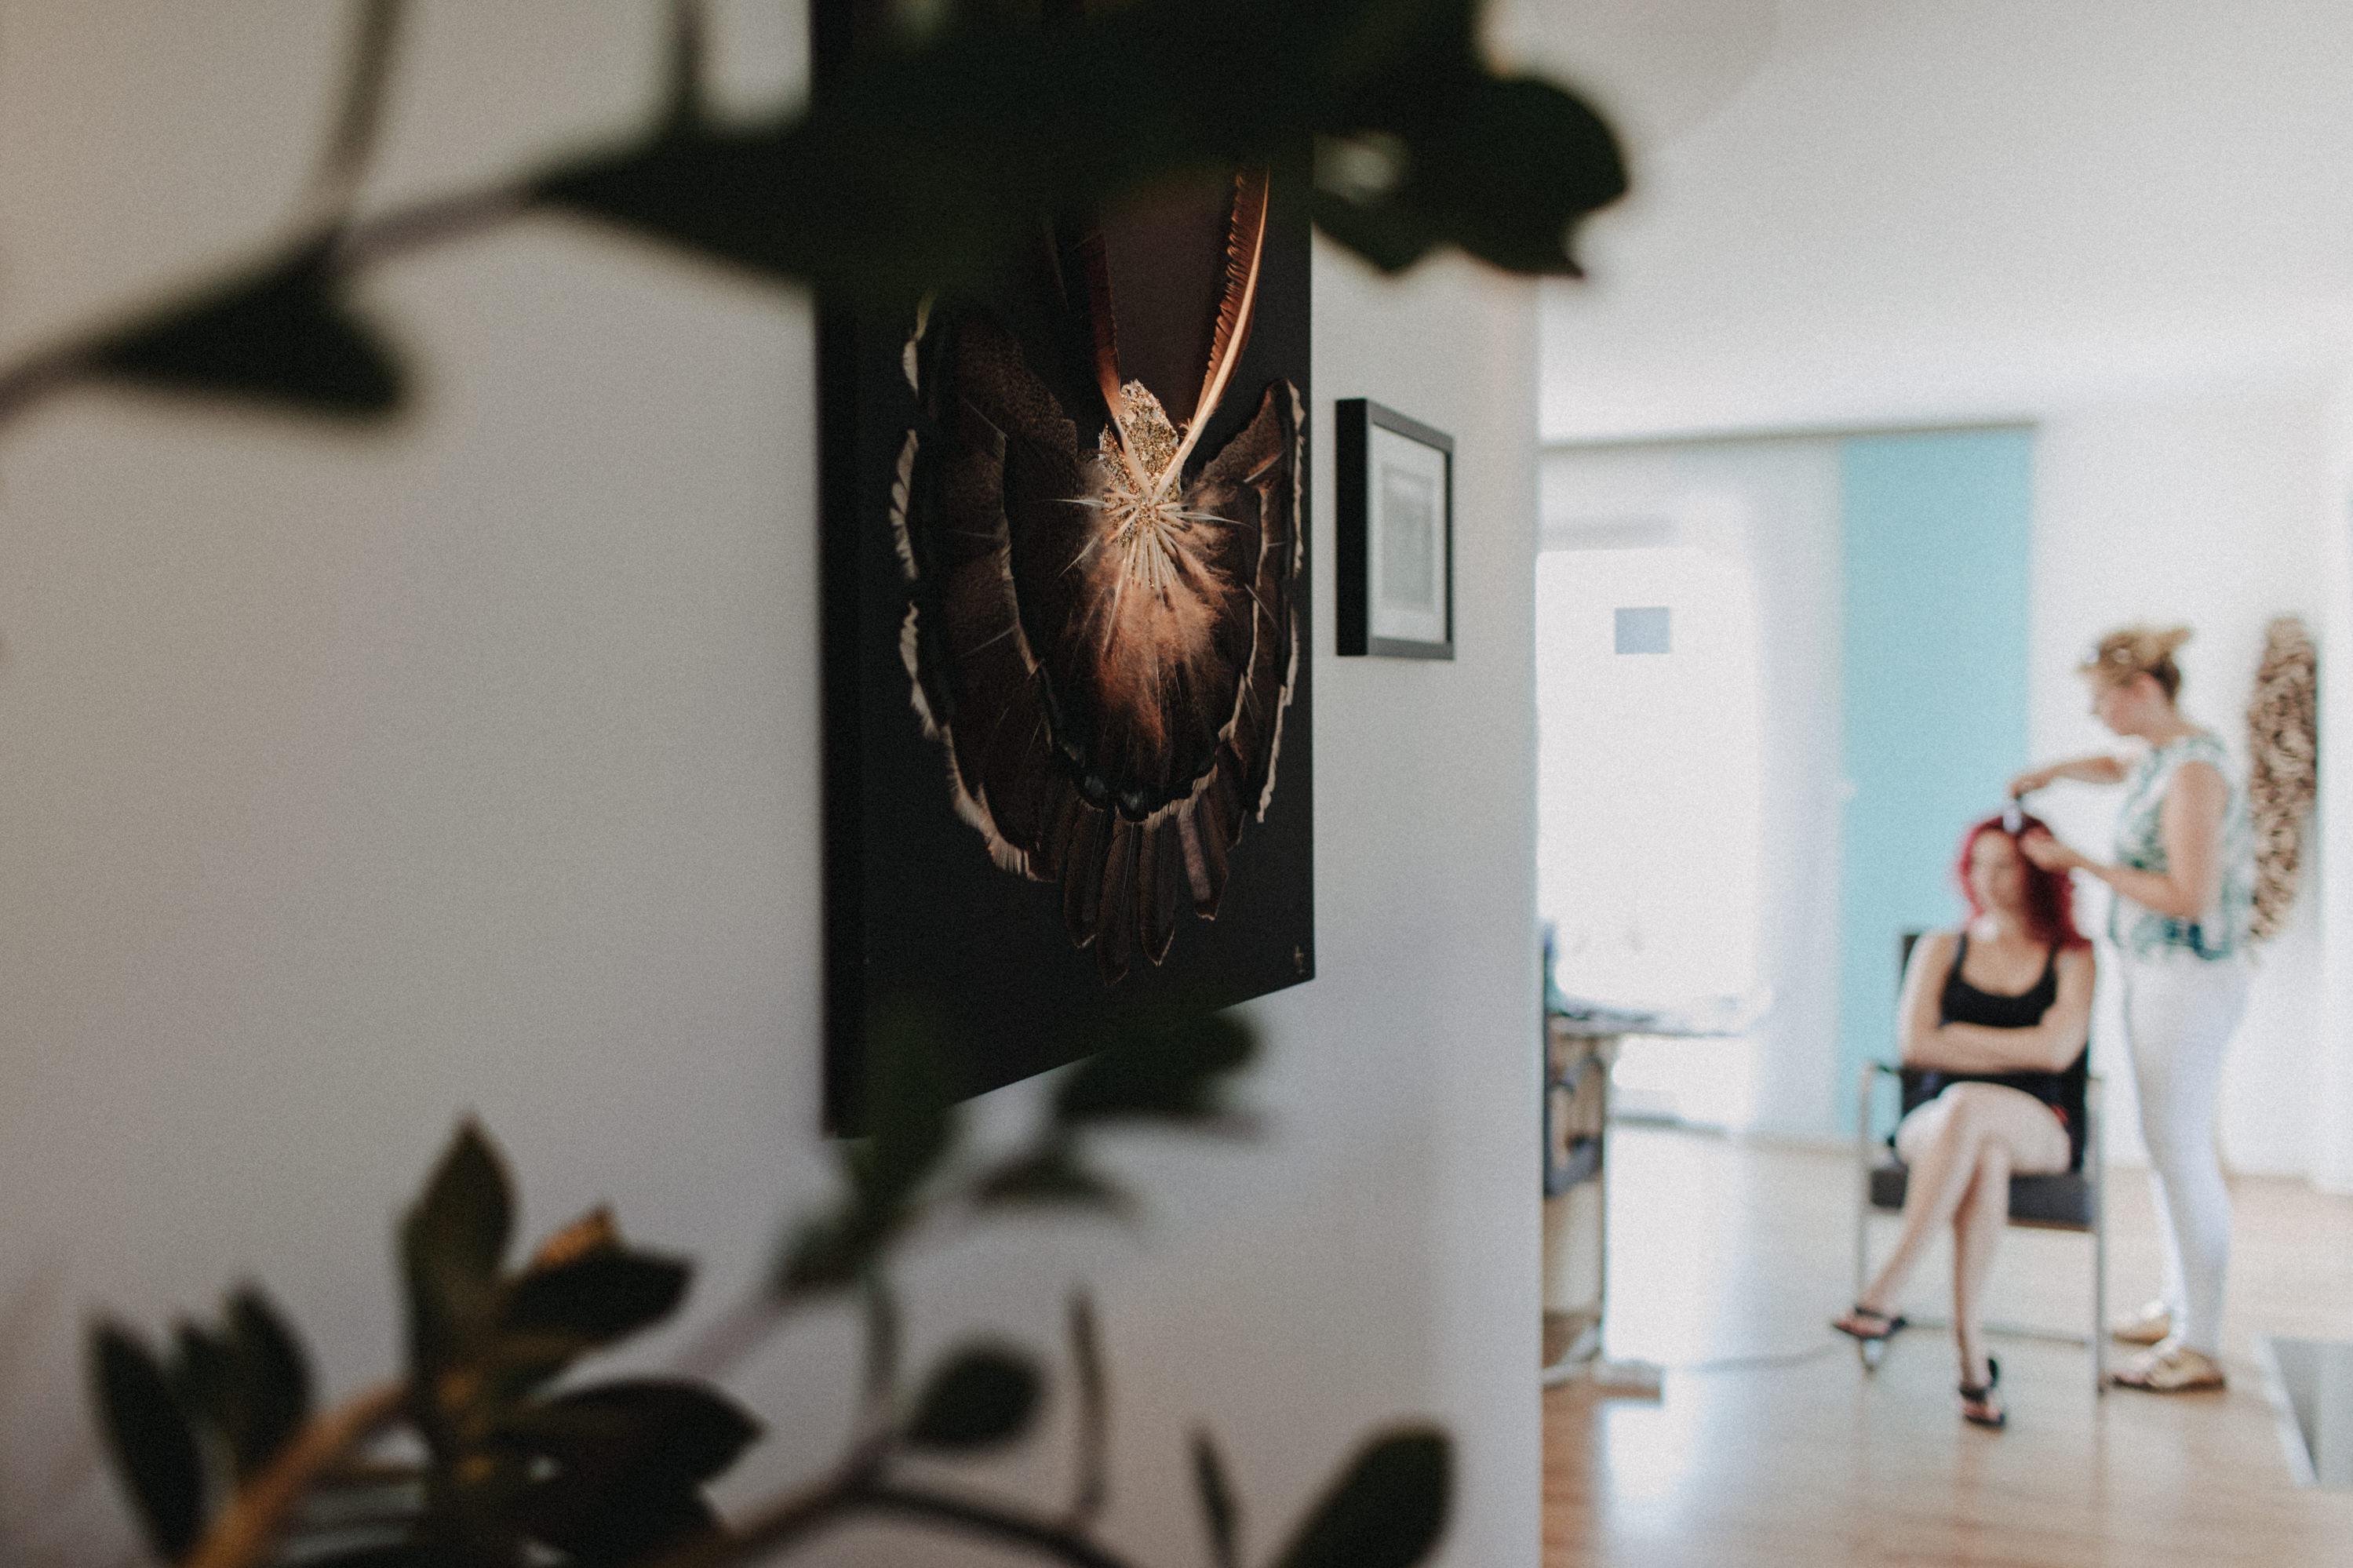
<point>1888,211</point>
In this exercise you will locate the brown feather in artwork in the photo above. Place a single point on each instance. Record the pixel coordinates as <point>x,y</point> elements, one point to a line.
<point>1094,259</point>
<point>1056,826</point>
<point>1082,874</point>
<point>1218,818</point>
<point>1115,930</point>
<point>1196,865</point>
<point>1245,254</point>
<point>1160,882</point>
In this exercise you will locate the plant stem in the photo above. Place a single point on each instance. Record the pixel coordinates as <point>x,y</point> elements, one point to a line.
<point>983,1520</point>
<point>247,1528</point>
<point>690,30</point>
<point>359,119</point>
<point>437,220</point>
<point>723,1343</point>
<point>1093,1435</point>
<point>43,372</point>
<point>781,1522</point>
<point>857,1488</point>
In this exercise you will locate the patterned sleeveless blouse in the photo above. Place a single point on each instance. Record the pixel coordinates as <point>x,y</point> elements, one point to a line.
<point>2221,930</point>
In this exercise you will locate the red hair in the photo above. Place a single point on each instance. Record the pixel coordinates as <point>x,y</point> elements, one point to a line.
<point>2050,895</point>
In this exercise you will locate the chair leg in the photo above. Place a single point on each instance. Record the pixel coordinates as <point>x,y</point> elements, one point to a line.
<point>2095,1165</point>
<point>2099,1294</point>
<point>1868,1351</point>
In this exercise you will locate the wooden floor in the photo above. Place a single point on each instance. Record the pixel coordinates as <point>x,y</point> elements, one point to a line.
<point>1771,1445</point>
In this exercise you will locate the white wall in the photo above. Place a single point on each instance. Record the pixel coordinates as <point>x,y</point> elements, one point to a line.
<point>350,783</point>
<point>2332,1165</point>
<point>1772,509</point>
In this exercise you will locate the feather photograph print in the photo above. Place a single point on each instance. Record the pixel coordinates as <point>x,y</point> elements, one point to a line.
<point>1116,643</point>
<point>1068,755</point>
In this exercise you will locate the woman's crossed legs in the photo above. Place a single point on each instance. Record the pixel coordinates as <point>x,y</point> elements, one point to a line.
<point>1962,1148</point>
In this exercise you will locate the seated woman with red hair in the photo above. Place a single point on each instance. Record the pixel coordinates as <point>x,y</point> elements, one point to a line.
<point>1995,1012</point>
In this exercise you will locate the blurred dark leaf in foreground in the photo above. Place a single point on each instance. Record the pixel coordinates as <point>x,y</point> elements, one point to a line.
<point>927,170</point>
<point>247,1380</point>
<point>1164,1065</point>
<point>984,1396</point>
<point>154,1451</point>
<point>285,336</point>
<point>1387,1511</point>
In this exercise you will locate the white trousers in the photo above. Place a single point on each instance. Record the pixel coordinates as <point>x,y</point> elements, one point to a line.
<point>2179,1012</point>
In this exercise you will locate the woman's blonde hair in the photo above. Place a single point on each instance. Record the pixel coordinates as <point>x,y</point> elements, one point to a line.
<point>2138,650</point>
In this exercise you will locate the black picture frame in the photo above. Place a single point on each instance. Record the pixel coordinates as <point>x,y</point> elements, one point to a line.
<point>1384,460</point>
<point>920,908</point>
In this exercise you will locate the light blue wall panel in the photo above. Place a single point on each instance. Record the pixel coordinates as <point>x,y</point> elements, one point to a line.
<point>1937,537</point>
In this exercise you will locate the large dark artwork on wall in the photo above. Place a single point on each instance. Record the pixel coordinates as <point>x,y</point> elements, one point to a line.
<point>1068,768</point>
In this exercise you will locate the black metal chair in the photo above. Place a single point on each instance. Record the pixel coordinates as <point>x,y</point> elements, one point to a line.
<point>2071,1200</point>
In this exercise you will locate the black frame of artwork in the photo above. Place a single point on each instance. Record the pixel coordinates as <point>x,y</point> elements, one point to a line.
<point>916,912</point>
<point>1355,539</point>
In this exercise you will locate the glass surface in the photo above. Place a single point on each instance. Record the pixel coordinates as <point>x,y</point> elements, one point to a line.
<point>2316,1379</point>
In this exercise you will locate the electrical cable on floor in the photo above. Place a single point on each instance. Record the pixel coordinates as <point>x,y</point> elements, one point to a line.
<point>1762,1359</point>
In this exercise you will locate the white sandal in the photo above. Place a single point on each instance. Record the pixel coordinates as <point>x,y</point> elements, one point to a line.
<point>2172,1369</point>
<point>2149,1326</point>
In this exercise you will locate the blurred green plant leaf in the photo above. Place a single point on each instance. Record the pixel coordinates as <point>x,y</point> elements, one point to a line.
<point>911,1122</point>
<point>395,1554</point>
<point>628,1523</point>
<point>1165,1066</point>
<point>1507,181</point>
<point>927,169</point>
<point>626,1463</point>
<point>676,1433</point>
<point>154,1451</point>
<point>1386,1510</point>
<point>283,335</point>
<point>1219,1517</point>
<point>825,1251</point>
<point>247,1381</point>
<point>1049,1176</point>
<point>594,1299</point>
<point>984,1396</point>
<point>451,1244</point>
<point>200,1373</point>
<point>1094,1407</point>
<point>273,1382</point>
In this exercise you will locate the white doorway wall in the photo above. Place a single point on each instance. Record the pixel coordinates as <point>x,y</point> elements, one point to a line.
<point>1768,510</point>
<point>1648,792</point>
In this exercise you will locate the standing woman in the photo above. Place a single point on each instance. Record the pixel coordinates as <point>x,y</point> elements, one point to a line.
<point>2183,880</point>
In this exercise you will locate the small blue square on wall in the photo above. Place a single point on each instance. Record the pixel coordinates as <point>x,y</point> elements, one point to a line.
<point>1643,629</point>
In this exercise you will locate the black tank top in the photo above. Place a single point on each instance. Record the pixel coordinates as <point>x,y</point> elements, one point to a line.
<point>1963,1003</point>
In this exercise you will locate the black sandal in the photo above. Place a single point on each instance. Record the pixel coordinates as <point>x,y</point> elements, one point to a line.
<point>1891,1321</point>
<point>1981,1396</point>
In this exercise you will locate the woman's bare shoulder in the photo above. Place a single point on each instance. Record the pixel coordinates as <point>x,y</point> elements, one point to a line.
<point>1935,948</point>
<point>2199,772</point>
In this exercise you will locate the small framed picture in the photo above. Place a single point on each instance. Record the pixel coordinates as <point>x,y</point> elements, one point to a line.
<point>1395,513</point>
